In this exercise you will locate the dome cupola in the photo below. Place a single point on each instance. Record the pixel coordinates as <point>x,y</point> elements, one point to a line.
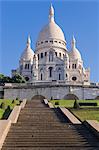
<point>28,52</point>
<point>74,54</point>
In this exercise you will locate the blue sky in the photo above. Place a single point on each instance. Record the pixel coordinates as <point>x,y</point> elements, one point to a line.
<point>20,18</point>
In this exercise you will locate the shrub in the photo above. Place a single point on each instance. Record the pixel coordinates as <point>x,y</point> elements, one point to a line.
<point>56,103</point>
<point>76,105</point>
<point>3,106</point>
<point>17,104</point>
<point>20,101</point>
<point>51,98</point>
<point>88,104</point>
<point>7,113</point>
<point>13,101</point>
<point>17,98</point>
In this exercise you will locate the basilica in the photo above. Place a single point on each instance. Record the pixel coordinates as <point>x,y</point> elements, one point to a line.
<point>51,60</point>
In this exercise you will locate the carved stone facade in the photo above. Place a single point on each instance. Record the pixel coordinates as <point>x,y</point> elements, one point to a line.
<point>51,59</point>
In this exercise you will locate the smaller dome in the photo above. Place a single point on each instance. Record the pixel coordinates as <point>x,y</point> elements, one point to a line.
<point>74,54</point>
<point>28,52</point>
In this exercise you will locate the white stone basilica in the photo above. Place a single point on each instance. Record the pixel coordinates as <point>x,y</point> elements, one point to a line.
<point>51,60</point>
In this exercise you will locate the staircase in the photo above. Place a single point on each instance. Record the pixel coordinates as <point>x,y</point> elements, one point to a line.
<point>42,128</point>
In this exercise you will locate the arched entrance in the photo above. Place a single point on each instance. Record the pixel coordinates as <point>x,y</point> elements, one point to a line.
<point>97,98</point>
<point>70,97</point>
<point>38,97</point>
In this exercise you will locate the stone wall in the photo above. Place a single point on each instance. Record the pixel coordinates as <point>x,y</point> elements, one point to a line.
<point>54,91</point>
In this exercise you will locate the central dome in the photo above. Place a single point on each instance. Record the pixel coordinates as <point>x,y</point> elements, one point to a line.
<point>51,30</point>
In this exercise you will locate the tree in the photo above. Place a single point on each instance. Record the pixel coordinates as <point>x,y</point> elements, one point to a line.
<point>76,104</point>
<point>3,106</point>
<point>1,78</point>
<point>5,79</point>
<point>17,78</point>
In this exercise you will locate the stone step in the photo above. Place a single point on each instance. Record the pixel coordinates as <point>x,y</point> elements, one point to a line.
<point>47,144</point>
<point>51,148</point>
<point>42,128</point>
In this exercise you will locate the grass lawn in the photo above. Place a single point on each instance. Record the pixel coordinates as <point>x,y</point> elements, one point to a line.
<point>7,102</point>
<point>63,103</point>
<point>70,103</point>
<point>84,113</point>
<point>87,114</point>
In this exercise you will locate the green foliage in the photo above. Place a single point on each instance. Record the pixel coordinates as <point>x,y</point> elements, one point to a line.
<point>20,101</point>
<point>7,102</point>
<point>56,103</point>
<point>76,105</point>
<point>3,106</point>
<point>1,76</point>
<point>88,104</point>
<point>1,112</point>
<point>17,98</point>
<point>51,97</point>
<point>70,103</point>
<point>7,113</point>
<point>87,113</point>
<point>13,101</point>
<point>5,79</point>
<point>63,103</point>
<point>18,79</point>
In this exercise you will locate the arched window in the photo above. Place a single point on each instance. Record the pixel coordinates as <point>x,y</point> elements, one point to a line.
<point>66,75</point>
<point>73,66</point>
<point>59,69</point>
<point>26,66</point>
<point>59,54</point>
<point>56,53</point>
<point>45,53</point>
<point>50,72</point>
<point>41,55</point>
<point>59,76</point>
<point>50,56</point>
<point>38,56</point>
<point>41,76</point>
